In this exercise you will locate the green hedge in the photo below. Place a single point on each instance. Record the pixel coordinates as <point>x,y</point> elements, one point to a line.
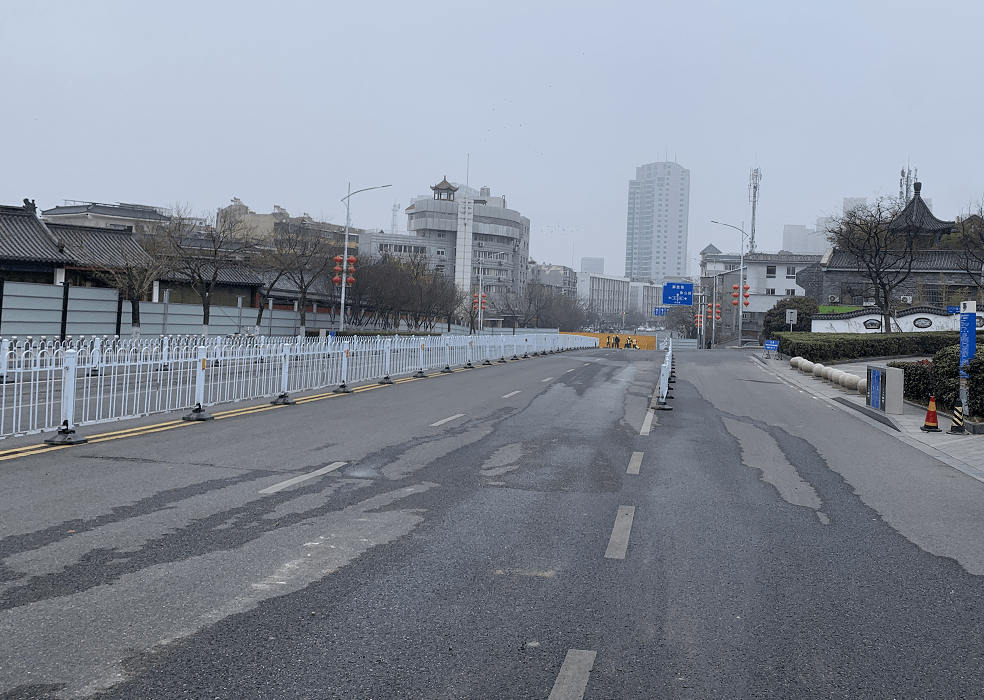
<point>941,379</point>
<point>832,347</point>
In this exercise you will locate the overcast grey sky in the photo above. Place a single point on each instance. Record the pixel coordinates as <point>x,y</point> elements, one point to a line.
<point>556,103</point>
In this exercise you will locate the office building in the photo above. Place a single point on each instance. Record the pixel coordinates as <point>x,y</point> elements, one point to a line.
<point>657,221</point>
<point>593,265</point>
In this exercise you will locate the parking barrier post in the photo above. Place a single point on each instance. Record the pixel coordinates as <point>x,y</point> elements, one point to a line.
<point>66,434</point>
<point>387,357</point>
<point>284,398</point>
<point>199,413</point>
<point>343,387</point>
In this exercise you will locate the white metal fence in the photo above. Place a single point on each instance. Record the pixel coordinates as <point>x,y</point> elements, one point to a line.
<point>92,380</point>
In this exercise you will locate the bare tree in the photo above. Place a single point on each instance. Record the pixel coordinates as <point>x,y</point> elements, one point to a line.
<point>200,250</point>
<point>884,254</point>
<point>312,261</point>
<point>969,240</point>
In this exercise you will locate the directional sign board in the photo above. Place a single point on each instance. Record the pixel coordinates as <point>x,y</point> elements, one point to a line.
<point>678,294</point>
<point>968,336</point>
<point>659,311</point>
<point>953,309</point>
<point>771,345</point>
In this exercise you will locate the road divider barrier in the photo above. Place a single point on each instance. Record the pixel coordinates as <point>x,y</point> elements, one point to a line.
<point>45,383</point>
<point>667,376</point>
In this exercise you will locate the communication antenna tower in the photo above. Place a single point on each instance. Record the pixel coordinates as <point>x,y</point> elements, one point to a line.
<point>905,183</point>
<point>396,212</point>
<point>754,178</point>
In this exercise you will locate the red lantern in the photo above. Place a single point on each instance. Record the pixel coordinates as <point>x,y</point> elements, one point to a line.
<point>351,260</point>
<point>350,281</point>
<point>746,295</point>
<point>350,271</point>
<point>339,258</point>
<point>746,302</point>
<point>717,318</point>
<point>734,294</point>
<point>746,287</point>
<point>338,268</point>
<point>734,303</point>
<point>336,279</point>
<point>734,286</point>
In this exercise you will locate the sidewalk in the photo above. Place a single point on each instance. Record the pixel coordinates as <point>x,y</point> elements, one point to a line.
<point>964,453</point>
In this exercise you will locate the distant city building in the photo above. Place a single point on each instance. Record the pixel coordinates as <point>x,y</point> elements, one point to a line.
<point>604,295</point>
<point>471,235</point>
<point>644,297</point>
<point>593,265</point>
<point>562,278</point>
<point>800,238</point>
<point>139,218</point>
<point>657,222</point>
<point>266,226</point>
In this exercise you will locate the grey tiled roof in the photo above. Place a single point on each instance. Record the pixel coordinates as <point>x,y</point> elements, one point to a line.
<point>924,261</point>
<point>126,211</point>
<point>227,275</point>
<point>917,217</point>
<point>23,237</point>
<point>868,310</point>
<point>99,247</point>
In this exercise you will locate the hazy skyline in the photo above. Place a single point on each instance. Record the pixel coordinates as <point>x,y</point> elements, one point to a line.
<point>554,105</point>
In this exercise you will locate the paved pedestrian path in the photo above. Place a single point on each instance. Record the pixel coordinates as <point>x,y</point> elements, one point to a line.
<point>962,452</point>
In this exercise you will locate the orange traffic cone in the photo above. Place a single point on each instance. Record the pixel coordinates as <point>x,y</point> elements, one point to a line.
<point>931,425</point>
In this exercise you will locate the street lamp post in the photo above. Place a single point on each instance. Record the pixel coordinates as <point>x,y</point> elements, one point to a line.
<point>345,256</point>
<point>741,271</point>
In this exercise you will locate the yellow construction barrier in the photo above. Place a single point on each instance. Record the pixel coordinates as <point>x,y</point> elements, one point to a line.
<point>645,342</point>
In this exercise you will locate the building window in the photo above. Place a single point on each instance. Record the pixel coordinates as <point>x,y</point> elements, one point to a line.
<point>790,273</point>
<point>770,270</point>
<point>770,292</point>
<point>790,292</point>
<point>440,251</point>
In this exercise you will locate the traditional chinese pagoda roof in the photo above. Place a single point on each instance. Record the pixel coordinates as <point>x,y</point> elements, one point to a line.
<point>710,250</point>
<point>444,185</point>
<point>917,218</point>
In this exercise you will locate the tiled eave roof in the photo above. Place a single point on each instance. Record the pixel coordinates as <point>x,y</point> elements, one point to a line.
<point>869,310</point>
<point>23,237</point>
<point>99,247</point>
<point>917,218</point>
<point>227,275</point>
<point>925,261</point>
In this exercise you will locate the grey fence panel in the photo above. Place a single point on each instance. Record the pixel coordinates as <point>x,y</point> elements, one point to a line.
<point>31,309</point>
<point>91,311</point>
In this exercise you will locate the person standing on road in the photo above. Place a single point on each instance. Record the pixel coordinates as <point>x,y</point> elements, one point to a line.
<point>616,341</point>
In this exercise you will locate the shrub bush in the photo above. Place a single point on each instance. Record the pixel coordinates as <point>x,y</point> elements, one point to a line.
<point>941,379</point>
<point>831,347</point>
<point>918,384</point>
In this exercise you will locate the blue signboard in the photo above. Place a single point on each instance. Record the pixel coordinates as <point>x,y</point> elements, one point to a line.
<point>953,309</point>
<point>678,294</point>
<point>968,342</point>
<point>658,311</point>
<point>772,345</point>
<point>874,389</point>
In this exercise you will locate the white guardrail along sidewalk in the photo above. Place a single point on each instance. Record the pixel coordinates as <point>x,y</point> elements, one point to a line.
<point>92,380</point>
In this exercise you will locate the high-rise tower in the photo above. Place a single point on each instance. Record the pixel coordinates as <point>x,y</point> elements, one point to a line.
<point>656,224</point>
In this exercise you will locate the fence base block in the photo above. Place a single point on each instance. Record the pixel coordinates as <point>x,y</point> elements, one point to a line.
<point>386,380</point>
<point>420,374</point>
<point>198,413</point>
<point>487,362</point>
<point>283,400</point>
<point>447,370</point>
<point>66,436</point>
<point>342,389</point>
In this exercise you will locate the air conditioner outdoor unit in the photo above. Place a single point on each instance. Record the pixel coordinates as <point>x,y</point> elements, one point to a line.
<point>481,245</point>
<point>833,298</point>
<point>906,299</point>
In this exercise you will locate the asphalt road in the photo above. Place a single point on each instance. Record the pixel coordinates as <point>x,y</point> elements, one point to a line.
<point>504,532</point>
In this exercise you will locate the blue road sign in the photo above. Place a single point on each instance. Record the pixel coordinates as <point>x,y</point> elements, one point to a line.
<point>772,345</point>
<point>678,294</point>
<point>659,311</point>
<point>953,309</point>
<point>968,342</point>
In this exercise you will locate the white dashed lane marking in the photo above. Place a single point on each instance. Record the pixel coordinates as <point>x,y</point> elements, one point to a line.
<point>634,463</point>
<point>445,420</point>
<point>511,393</point>
<point>572,680</point>
<point>298,479</point>
<point>619,540</point>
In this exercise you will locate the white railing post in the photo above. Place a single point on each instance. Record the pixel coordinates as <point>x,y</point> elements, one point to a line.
<point>343,387</point>
<point>447,355</point>
<point>387,359</point>
<point>66,433</point>
<point>199,412</point>
<point>421,374</point>
<point>284,398</point>
<point>4,349</point>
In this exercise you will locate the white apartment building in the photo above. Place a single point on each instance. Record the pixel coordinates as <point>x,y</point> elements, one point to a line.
<point>605,295</point>
<point>595,265</point>
<point>657,222</point>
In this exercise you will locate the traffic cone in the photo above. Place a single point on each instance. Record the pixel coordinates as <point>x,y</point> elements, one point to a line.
<point>931,425</point>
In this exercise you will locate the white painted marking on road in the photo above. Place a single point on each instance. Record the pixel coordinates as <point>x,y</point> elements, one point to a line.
<point>546,380</point>
<point>445,420</point>
<point>570,370</point>
<point>634,463</point>
<point>512,393</point>
<point>647,424</point>
<point>572,680</point>
<point>298,479</point>
<point>619,540</point>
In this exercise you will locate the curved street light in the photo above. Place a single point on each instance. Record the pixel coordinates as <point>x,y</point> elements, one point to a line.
<point>741,269</point>
<point>345,256</point>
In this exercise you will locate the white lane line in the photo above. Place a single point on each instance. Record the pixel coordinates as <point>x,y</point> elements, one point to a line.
<point>546,380</point>
<point>573,677</point>
<point>298,479</point>
<point>647,424</point>
<point>619,541</point>
<point>634,463</point>
<point>445,420</point>
<point>512,393</point>
<point>570,370</point>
